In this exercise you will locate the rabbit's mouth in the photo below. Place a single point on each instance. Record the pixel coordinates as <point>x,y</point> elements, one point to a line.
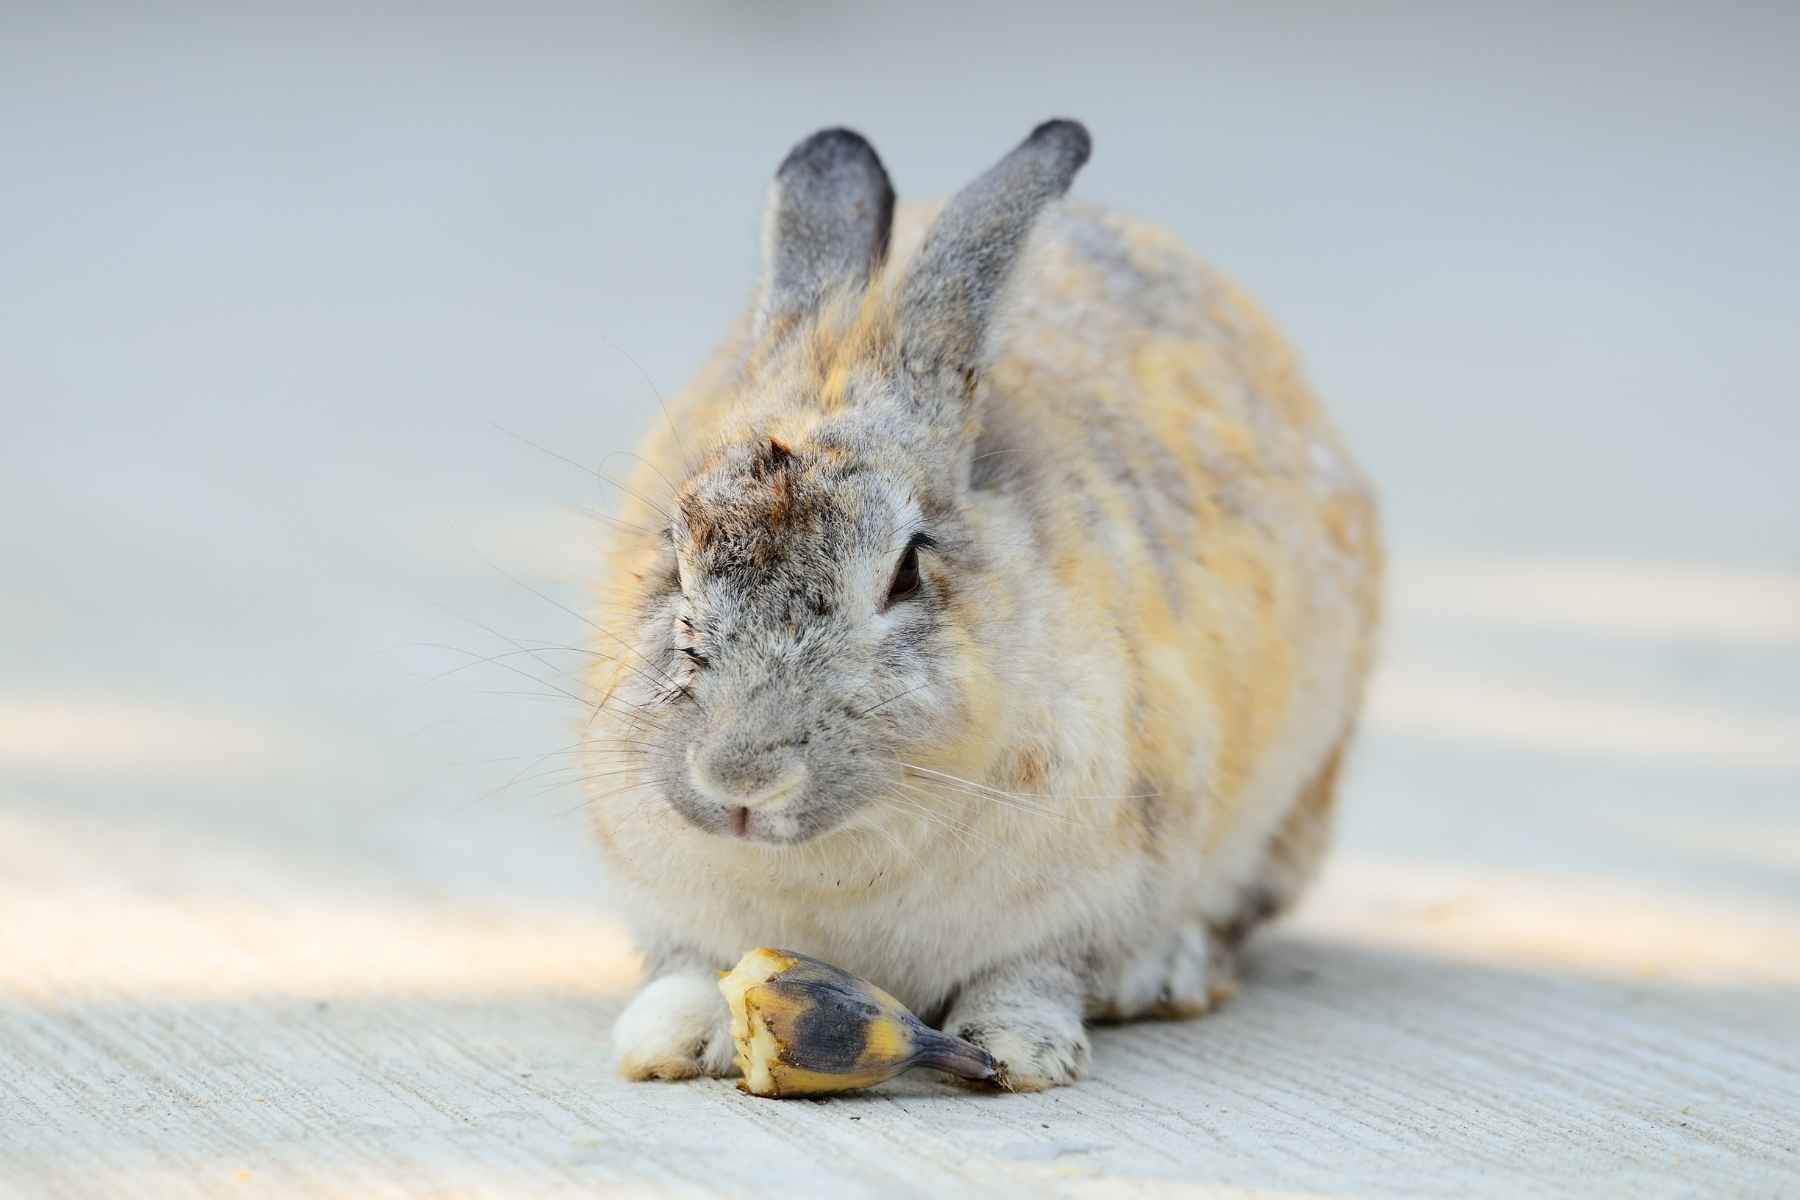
<point>751,785</point>
<point>742,824</point>
<point>774,819</point>
<point>755,800</point>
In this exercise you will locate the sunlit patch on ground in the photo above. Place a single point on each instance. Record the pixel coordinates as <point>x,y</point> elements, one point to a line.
<point>1552,717</point>
<point>115,734</point>
<point>1637,599</point>
<point>1581,926</point>
<point>97,908</point>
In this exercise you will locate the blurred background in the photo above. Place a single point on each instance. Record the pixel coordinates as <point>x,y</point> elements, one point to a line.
<point>278,291</point>
<point>303,312</point>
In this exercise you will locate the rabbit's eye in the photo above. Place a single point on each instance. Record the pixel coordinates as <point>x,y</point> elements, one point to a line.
<point>691,650</point>
<point>906,574</point>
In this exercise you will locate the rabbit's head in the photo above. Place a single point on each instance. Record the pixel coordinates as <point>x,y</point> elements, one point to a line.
<point>819,618</point>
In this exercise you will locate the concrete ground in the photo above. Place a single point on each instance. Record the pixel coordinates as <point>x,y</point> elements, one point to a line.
<point>295,897</point>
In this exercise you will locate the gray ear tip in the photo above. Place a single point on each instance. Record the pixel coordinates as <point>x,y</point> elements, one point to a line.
<point>829,152</point>
<point>1068,140</point>
<point>826,221</point>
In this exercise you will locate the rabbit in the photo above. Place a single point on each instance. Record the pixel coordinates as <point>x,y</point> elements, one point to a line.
<point>989,618</point>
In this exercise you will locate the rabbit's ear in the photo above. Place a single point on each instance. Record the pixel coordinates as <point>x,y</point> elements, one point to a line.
<point>826,224</point>
<point>948,299</point>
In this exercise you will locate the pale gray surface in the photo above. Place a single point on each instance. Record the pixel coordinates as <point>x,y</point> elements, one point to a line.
<point>273,921</point>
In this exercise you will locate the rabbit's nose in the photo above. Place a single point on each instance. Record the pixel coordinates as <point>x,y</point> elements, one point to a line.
<point>743,777</point>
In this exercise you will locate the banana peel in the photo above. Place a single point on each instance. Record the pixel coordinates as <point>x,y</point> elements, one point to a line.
<point>805,1028</point>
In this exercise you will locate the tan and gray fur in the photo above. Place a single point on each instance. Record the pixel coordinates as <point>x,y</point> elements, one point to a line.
<point>989,618</point>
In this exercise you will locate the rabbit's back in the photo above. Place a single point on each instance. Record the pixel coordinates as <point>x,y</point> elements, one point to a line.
<point>1187,481</point>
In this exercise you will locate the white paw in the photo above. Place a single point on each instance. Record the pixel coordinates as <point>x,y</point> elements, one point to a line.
<point>677,1027</point>
<point>1031,1056</point>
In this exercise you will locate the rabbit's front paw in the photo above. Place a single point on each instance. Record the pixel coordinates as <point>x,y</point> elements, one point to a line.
<point>1028,1016</point>
<point>677,1027</point>
<point>1030,1057</point>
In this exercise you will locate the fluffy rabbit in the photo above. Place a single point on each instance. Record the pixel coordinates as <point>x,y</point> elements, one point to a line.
<point>989,619</point>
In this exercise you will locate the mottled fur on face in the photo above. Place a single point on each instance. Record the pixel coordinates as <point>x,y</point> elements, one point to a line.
<point>799,678</point>
<point>802,684</point>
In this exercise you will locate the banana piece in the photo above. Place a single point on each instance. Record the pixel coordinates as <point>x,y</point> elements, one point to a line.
<point>804,1028</point>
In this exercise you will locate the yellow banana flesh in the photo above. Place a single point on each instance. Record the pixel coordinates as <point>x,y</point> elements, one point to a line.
<point>805,1028</point>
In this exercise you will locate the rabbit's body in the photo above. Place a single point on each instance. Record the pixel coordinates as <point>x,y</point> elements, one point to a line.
<point>1146,665</point>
